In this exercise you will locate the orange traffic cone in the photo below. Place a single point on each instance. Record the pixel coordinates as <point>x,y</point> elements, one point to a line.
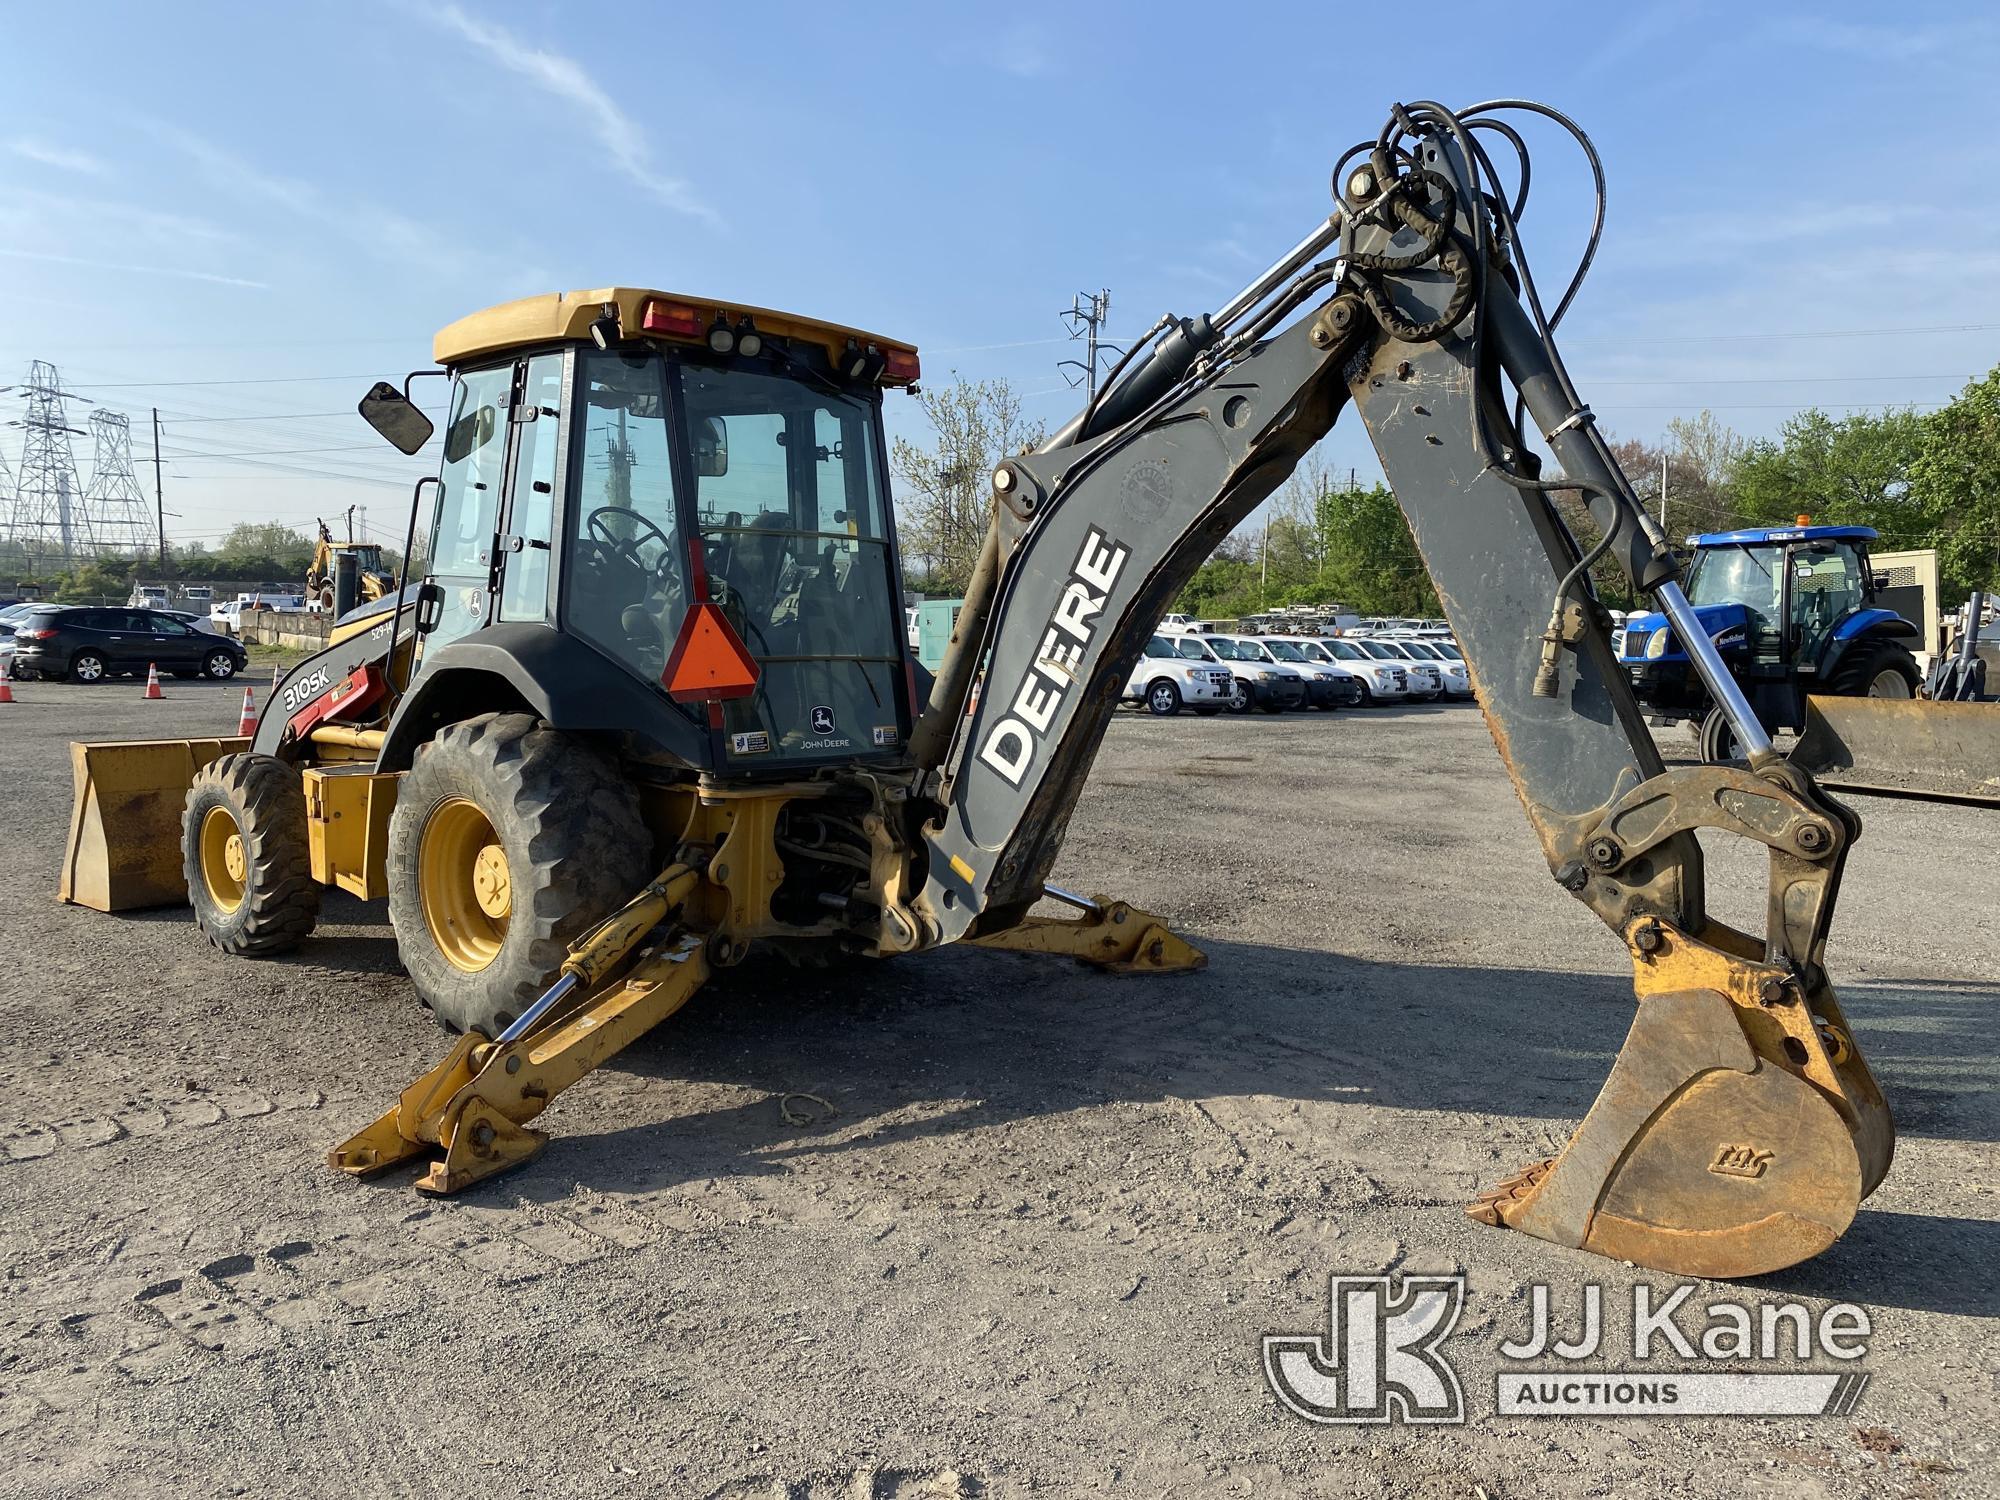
<point>6,681</point>
<point>246,723</point>
<point>153,680</point>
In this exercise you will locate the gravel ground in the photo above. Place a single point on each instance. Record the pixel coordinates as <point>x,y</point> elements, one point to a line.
<point>1036,1246</point>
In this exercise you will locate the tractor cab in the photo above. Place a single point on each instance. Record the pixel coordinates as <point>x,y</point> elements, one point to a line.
<point>666,520</point>
<point>1791,610</point>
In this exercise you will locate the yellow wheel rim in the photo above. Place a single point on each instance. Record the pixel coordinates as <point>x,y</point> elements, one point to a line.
<point>223,864</point>
<point>463,882</point>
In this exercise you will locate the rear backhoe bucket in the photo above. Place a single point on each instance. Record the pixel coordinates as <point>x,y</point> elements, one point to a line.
<point>124,846</point>
<point>1735,1135</point>
<point>1909,747</point>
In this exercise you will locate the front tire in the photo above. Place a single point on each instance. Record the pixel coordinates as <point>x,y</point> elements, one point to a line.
<point>218,665</point>
<point>1163,699</point>
<point>1240,700</point>
<point>245,852</point>
<point>508,842</point>
<point>1718,743</point>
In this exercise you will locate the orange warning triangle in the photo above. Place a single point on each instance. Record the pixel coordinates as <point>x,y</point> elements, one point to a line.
<point>709,660</point>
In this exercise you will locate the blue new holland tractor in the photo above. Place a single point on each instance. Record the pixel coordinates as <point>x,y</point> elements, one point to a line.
<point>1793,611</point>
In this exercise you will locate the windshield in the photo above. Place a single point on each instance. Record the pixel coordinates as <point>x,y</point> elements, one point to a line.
<point>1158,647</point>
<point>1447,650</point>
<point>1419,650</point>
<point>1347,651</point>
<point>1229,650</point>
<point>1284,651</point>
<point>1745,575</point>
<point>793,527</point>
<point>1377,650</point>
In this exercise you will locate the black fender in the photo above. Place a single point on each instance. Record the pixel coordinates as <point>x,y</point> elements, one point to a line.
<point>530,668</point>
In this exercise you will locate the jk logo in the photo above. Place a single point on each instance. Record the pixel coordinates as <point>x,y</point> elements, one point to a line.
<point>1379,1361</point>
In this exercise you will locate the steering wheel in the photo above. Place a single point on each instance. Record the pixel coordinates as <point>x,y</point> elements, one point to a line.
<point>628,547</point>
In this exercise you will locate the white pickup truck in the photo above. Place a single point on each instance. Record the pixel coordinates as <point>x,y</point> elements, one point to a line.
<point>1183,625</point>
<point>1166,682</point>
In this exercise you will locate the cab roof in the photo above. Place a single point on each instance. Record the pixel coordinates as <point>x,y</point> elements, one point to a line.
<point>557,316</point>
<point>1755,535</point>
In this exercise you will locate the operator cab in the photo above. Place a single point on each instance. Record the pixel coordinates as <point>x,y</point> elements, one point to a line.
<point>691,499</point>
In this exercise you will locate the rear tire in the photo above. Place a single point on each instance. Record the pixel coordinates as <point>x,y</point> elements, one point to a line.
<point>87,667</point>
<point>1881,669</point>
<point>1163,699</point>
<point>508,842</point>
<point>246,854</point>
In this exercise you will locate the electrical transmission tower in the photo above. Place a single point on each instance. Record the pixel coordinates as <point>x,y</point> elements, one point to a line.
<point>116,511</point>
<point>1086,315</point>
<point>49,518</point>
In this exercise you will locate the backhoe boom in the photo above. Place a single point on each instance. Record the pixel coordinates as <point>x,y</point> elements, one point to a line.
<point>1739,1127</point>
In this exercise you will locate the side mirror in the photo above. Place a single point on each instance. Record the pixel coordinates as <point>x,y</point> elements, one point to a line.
<point>1878,581</point>
<point>396,417</point>
<point>711,448</point>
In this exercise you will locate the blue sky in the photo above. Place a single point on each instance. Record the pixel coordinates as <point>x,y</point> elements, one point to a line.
<point>242,214</point>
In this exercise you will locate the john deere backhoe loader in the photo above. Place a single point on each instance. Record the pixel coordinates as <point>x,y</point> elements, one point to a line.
<point>652,705</point>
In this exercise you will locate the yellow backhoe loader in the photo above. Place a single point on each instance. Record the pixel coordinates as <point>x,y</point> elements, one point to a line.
<point>653,703</point>
<point>371,580</point>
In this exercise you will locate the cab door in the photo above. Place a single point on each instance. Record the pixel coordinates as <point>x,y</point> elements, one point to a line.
<point>464,561</point>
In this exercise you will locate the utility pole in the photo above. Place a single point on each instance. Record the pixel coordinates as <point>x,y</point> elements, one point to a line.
<point>1086,317</point>
<point>159,495</point>
<point>1663,489</point>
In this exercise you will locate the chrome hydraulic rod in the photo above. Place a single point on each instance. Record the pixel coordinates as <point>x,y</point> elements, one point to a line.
<point>1715,675</point>
<point>1299,255</point>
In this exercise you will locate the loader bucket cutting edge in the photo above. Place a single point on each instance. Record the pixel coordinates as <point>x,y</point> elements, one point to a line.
<point>1701,1157</point>
<point>1908,747</point>
<point>124,848</point>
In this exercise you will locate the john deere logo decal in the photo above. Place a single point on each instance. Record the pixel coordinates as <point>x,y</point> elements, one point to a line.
<point>822,719</point>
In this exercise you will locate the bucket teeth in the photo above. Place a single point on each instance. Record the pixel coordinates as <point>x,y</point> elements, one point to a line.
<point>1491,1207</point>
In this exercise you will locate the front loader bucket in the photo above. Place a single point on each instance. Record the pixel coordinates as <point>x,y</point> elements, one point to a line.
<point>1733,1137</point>
<point>125,826</point>
<point>1906,747</point>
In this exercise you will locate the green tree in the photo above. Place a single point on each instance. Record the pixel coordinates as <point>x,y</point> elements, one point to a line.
<point>1852,470</point>
<point>1955,484</point>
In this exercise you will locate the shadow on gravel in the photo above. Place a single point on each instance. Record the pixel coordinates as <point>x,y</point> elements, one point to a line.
<point>962,1040</point>
<point>1918,1261</point>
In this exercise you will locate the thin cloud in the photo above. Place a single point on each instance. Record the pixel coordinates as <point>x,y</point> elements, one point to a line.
<point>380,231</point>
<point>565,78</point>
<point>104,265</point>
<point>62,158</point>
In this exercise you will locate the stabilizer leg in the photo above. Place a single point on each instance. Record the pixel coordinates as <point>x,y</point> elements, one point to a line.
<point>474,1105</point>
<point>1110,935</point>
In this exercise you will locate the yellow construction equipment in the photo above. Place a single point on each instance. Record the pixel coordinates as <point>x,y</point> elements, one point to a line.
<point>653,703</point>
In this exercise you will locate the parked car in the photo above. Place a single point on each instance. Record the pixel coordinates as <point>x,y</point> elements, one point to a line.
<point>227,616</point>
<point>1182,625</point>
<point>1262,681</point>
<point>1457,680</point>
<point>1326,685</point>
<point>87,644</point>
<point>1381,681</point>
<point>1166,682</point>
<point>1426,677</point>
